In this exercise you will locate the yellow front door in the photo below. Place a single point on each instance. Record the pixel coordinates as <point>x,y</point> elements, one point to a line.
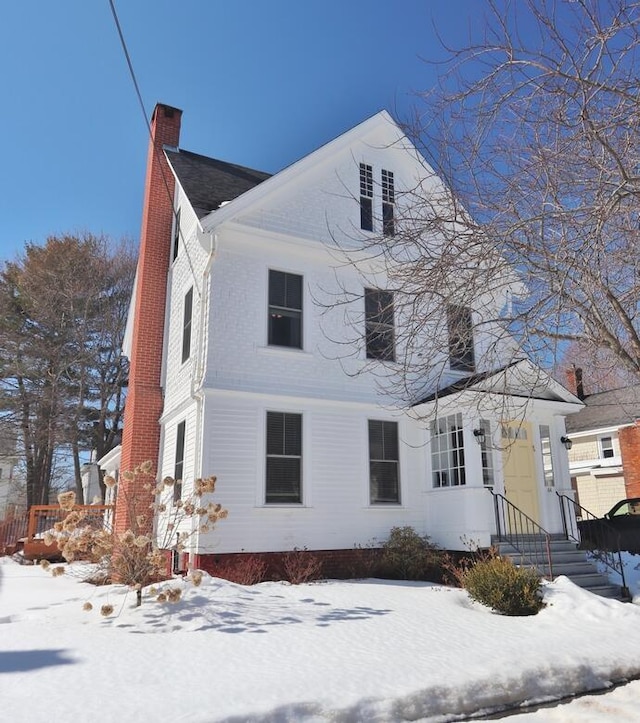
<point>520,482</point>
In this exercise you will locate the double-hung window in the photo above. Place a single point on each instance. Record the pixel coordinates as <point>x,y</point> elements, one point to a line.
<point>384,462</point>
<point>186,325</point>
<point>460,328</point>
<point>447,451</point>
<point>366,197</point>
<point>388,201</point>
<point>606,447</point>
<point>285,309</point>
<point>379,324</point>
<point>284,458</point>
<point>178,468</point>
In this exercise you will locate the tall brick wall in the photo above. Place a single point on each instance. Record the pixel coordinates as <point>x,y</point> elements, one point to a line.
<point>141,434</point>
<point>630,452</point>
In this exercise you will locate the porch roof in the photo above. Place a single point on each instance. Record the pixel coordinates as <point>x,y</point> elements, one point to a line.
<point>519,378</point>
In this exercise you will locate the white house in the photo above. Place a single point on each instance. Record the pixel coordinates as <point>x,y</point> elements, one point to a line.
<point>13,499</point>
<point>262,382</point>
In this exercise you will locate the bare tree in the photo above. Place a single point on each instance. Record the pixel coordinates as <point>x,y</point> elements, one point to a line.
<point>61,326</point>
<point>533,142</point>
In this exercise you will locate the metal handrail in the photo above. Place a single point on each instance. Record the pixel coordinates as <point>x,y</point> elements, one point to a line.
<point>610,558</point>
<point>531,540</point>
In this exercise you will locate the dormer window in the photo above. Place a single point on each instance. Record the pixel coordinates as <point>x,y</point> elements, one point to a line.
<point>366,197</point>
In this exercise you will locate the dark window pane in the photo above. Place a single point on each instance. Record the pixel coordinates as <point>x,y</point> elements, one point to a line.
<point>283,479</point>
<point>366,213</point>
<point>388,226</point>
<point>284,457</point>
<point>460,327</point>
<point>379,324</point>
<point>285,328</point>
<point>186,327</point>
<point>384,482</point>
<point>383,461</point>
<point>285,309</point>
<point>179,462</point>
<point>176,235</point>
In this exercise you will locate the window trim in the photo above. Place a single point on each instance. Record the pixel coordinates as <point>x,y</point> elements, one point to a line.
<point>292,312</point>
<point>487,464</point>
<point>176,234</point>
<point>266,456</point>
<point>546,454</point>
<point>384,502</point>
<point>375,328</point>
<point>187,323</point>
<point>366,197</point>
<point>462,356</point>
<point>388,202</point>
<point>178,466</point>
<point>602,449</point>
<point>456,472</point>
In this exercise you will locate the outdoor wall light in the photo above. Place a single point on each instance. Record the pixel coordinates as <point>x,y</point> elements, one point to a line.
<point>567,443</point>
<point>479,435</point>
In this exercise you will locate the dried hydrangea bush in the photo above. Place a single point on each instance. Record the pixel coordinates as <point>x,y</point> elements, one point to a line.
<point>136,557</point>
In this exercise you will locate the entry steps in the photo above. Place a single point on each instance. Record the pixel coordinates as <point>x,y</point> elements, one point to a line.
<point>566,560</point>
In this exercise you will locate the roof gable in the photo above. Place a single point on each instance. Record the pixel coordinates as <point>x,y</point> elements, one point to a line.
<point>380,130</point>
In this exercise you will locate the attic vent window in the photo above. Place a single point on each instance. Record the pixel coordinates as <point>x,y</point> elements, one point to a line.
<point>388,201</point>
<point>366,197</point>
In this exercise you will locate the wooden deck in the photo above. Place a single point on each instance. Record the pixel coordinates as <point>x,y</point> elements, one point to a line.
<point>42,518</point>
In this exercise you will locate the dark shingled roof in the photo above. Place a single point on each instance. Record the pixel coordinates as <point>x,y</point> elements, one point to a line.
<point>606,409</point>
<point>465,383</point>
<point>209,182</point>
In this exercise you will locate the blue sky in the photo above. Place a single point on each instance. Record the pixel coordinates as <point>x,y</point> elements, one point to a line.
<point>261,83</point>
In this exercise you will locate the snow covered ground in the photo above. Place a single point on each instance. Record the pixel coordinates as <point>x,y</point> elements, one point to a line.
<point>360,651</point>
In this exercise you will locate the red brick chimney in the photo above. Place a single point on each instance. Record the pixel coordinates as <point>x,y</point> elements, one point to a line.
<point>574,381</point>
<point>141,433</point>
<point>629,438</point>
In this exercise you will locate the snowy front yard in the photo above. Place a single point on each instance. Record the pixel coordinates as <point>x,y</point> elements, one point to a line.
<point>375,651</point>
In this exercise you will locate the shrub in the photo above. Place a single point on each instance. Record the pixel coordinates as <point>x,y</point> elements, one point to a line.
<point>135,557</point>
<point>497,583</point>
<point>364,561</point>
<point>406,555</point>
<point>301,566</point>
<point>243,569</point>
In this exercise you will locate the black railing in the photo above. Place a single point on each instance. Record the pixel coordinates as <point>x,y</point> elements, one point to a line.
<point>525,535</point>
<point>601,536</point>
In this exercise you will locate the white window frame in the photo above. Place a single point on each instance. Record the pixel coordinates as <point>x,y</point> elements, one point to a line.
<point>446,469</point>
<point>602,449</point>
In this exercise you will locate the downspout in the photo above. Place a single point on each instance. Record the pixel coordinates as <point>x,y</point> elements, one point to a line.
<point>197,379</point>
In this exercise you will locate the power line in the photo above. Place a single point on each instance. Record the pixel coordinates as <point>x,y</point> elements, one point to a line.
<point>156,150</point>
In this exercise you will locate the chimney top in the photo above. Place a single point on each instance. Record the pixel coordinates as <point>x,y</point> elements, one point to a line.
<point>574,381</point>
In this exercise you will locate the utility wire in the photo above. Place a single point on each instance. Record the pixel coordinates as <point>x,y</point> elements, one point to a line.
<point>156,150</point>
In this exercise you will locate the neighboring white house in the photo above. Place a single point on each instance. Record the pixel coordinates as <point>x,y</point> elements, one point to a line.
<point>269,387</point>
<point>599,461</point>
<point>13,499</point>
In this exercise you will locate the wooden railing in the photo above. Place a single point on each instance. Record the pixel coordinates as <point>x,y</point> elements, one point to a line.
<point>525,535</point>
<point>42,518</point>
<point>13,529</point>
<point>602,534</point>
